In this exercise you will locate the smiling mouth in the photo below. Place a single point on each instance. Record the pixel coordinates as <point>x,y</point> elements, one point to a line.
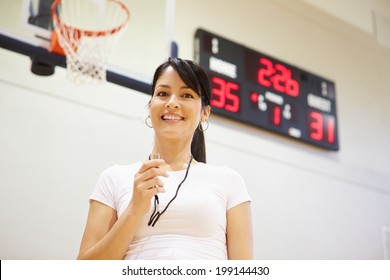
<point>171,118</point>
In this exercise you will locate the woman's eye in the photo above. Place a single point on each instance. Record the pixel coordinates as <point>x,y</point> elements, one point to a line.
<point>161,93</point>
<point>188,95</point>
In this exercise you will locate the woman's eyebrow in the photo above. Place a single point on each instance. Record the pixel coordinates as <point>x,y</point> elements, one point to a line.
<point>164,86</point>
<point>167,86</point>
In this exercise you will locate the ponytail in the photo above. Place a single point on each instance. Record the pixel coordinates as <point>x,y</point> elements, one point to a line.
<point>198,146</point>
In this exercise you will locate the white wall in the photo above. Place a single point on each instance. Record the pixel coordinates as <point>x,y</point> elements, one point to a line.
<point>308,203</point>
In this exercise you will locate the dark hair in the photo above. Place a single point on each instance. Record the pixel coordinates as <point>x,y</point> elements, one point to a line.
<point>195,78</point>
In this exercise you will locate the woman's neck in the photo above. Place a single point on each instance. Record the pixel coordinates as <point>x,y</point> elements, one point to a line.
<point>176,156</point>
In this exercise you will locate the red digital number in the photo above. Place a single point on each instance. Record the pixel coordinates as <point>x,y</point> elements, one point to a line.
<point>274,112</point>
<point>278,77</point>
<point>331,130</point>
<point>292,88</point>
<point>317,125</point>
<point>218,94</point>
<point>279,80</point>
<point>277,115</point>
<point>266,72</point>
<point>223,96</point>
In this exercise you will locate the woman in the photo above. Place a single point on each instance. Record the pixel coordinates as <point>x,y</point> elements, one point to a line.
<point>176,207</point>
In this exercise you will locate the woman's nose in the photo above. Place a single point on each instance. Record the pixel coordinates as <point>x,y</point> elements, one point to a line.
<point>173,102</point>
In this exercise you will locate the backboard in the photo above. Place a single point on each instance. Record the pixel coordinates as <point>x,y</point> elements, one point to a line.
<point>144,45</point>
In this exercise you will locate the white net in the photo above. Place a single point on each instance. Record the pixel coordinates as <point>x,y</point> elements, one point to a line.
<point>87,30</point>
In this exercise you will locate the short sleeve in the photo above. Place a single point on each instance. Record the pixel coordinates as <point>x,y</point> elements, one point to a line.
<point>237,192</point>
<point>104,189</point>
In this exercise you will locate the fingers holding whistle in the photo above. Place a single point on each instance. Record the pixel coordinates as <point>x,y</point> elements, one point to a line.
<point>147,176</point>
<point>147,184</point>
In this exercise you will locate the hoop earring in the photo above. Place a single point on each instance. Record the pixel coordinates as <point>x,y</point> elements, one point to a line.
<point>200,127</point>
<point>146,122</point>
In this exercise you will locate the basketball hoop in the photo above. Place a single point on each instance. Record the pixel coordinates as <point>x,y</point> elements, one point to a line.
<point>85,32</point>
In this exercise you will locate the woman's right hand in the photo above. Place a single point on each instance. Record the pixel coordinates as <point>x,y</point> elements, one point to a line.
<point>108,237</point>
<point>146,185</point>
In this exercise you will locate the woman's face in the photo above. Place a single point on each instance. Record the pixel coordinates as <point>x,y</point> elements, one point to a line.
<point>175,109</point>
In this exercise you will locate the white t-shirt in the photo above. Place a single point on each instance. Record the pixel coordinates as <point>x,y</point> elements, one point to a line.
<point>194,225</point>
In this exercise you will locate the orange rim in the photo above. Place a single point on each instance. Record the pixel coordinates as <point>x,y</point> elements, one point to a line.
<point>89,33</point>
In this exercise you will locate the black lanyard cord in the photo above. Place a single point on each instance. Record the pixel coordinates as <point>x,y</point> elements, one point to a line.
<point>156,215</point>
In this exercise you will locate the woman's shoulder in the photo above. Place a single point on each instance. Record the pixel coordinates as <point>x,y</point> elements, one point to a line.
<point>227,179</point>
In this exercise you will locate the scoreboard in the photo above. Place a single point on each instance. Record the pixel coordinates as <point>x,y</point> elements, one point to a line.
<point>257,89</point>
